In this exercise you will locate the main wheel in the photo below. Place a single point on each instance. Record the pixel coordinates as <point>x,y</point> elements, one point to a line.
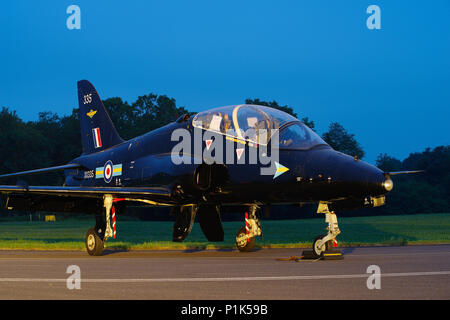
<point>94,245</point>
<point>241,241</point>
<point>318,251</point>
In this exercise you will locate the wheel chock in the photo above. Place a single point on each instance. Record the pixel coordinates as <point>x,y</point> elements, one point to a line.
<point>327,255</point>
<point>308,255</point>
<point>332,255</point>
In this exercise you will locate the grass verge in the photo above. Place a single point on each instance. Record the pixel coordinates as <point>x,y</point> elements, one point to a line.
<point>138,235</point>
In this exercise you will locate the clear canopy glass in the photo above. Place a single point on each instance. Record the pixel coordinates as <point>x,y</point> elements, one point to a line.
<point>298,136</point>
<point>247,122</point>
<point>256,124</point>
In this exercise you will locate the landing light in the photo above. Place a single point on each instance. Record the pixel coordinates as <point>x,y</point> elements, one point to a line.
<point>388,184</point>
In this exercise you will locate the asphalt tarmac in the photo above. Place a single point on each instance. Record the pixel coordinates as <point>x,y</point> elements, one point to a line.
<point>409,272</point>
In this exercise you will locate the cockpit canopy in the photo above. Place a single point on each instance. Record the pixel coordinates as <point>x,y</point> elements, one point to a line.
<point>257,124</point>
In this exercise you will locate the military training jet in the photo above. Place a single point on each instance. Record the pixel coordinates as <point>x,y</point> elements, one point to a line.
<point>245,155</point>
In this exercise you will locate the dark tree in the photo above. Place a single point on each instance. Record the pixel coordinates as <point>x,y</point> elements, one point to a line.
<point>308,122</point>
<point>340,140</point>
<point>153,111</point>
<point>387,163</point>
<point>425,192</point>
<point>123,116</point>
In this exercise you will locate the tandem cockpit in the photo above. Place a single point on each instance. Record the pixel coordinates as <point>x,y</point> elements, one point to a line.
<point>258,124</point>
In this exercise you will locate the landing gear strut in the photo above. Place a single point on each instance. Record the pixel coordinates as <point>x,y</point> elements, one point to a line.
<point>97,236</point>
<point>245,237</point>
<point>323,244</point>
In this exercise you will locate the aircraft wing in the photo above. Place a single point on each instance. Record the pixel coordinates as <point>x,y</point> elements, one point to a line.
<point>90,192</point>
<point>78,199</point>
<point>155,194</point>
<point>75,198</point>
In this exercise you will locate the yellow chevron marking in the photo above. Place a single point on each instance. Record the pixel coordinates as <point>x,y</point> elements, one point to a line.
<point>91,113</point>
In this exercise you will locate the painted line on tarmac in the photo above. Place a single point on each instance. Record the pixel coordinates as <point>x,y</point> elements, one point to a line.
<point>280,278</point>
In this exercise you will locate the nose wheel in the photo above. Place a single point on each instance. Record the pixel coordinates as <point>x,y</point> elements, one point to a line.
<point>319,247</point>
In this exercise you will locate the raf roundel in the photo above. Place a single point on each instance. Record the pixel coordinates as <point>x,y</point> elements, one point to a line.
<point>108,171</point>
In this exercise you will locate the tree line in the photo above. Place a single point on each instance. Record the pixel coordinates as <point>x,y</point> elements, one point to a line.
<point>54,140</point>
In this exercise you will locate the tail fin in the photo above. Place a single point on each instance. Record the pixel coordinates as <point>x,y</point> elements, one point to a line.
<point>97,130</point>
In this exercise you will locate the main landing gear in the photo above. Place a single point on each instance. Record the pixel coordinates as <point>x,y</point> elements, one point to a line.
<point>94,244</point>
<point>97,236</point>
<point>245,237</point>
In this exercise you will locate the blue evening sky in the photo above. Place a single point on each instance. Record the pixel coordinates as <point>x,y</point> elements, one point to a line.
<point>390,87</point>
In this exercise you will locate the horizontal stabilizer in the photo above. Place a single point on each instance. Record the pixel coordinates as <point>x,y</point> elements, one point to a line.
<point>44,170</point>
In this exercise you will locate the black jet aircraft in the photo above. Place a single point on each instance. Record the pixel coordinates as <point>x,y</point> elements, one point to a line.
<point>245,155</point>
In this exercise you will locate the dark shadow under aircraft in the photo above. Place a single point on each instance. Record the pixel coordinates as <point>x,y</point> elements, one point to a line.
<point>236,155</point>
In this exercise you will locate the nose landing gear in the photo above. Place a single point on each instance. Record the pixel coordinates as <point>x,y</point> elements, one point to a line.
<point>323,244</point>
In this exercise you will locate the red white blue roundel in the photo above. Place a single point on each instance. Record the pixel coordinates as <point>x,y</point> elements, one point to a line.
<point>108,171</point>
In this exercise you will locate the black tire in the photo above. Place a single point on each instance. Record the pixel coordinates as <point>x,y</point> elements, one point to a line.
<point>241,241</point>
<point>314,249</point>
<point>94,245</point>
<point>210,222</point>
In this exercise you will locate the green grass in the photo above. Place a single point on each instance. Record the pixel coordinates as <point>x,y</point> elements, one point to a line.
<point>132,235</point>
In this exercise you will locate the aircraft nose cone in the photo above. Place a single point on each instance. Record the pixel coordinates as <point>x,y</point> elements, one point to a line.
<point>345,176</point>
<point>377,184</point>
<point>361,177</point>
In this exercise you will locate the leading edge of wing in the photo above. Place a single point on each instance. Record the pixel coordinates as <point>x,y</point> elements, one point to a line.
<point>44,170</point>
<point>90,192</point>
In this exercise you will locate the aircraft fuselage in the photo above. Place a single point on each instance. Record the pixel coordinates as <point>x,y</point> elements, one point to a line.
<point>317,174</point>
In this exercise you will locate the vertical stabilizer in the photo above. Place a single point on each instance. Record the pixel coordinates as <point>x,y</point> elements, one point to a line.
<point>97,130</point>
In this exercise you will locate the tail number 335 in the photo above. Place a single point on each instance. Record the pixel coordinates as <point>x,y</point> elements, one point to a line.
<point>87,98</point>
